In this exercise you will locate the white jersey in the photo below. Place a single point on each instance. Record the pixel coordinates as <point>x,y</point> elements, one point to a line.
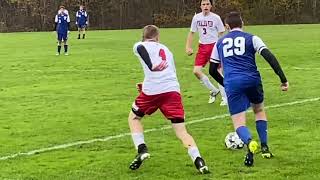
<point>158,82</point>
<point>208,27</point>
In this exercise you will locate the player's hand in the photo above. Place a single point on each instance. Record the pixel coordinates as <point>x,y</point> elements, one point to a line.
<point>189,51</point>
<point>160,67</point>
<point>139,87</point>
<point>285,86</point>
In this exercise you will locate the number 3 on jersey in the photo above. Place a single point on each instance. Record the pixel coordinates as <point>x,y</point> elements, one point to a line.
<point>233,47</point>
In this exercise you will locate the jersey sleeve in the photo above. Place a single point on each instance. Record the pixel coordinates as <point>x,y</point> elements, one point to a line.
<point>220,25</point>
<point>68,19</point>
<point>258,44</point>
<point>215,55</point>
<point>56,19</point>
<point>194,27</point>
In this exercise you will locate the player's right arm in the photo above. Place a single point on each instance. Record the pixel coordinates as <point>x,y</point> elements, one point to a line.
<point>262,49</point>
<point>193,29</point>
<point>143,53</point>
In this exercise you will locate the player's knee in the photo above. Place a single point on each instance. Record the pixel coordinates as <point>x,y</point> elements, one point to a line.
<point>197,73</point>
<point>258,109</point>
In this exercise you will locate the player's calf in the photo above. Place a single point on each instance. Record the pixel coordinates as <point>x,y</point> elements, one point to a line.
<point>190,144</point>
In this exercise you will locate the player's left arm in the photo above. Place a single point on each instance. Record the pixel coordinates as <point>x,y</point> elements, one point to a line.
<point>68,21</point>
<point>214,66</point>
<point>262,49</point>
<point>220,27</point>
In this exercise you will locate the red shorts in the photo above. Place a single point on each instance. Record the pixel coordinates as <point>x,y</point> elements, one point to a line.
<point>170,104</point>
<point>204,54</point>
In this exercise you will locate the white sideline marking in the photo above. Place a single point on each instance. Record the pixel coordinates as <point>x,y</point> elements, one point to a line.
<point>67,145</point>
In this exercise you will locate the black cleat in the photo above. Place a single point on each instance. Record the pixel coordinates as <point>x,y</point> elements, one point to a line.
<point>140,157</point>
<point>248,161</point>
<point>201,166</point>
<point>265,152</point>
<point>252,148</point>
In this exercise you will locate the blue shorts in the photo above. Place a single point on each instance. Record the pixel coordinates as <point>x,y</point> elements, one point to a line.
<point>62,36</point>
<point>241,94</point>
<point>82,26</point>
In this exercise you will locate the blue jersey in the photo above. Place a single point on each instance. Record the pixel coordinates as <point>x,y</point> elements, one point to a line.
<point>236,51</point>
<point>81,17</point>
<point>62,21</point>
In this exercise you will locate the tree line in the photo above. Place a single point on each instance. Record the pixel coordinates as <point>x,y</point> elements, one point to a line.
<point>38,15</point>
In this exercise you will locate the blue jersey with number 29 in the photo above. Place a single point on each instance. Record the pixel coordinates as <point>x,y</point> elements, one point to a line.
<point>236,51</point>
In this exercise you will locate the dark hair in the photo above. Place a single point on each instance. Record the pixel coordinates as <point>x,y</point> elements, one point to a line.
<point>150,32</point>
<point>234,20</point>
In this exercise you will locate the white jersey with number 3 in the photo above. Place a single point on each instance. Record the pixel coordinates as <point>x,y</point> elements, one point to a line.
<point>208,26</point>
<point>158,82</point>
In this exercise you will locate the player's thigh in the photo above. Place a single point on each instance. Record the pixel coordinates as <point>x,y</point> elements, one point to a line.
<point>60,37</point>
<point>171,107</point>
<point>145,104</point>
<point>203,54</point>
<point>237,100</point>
<point>255,93</point>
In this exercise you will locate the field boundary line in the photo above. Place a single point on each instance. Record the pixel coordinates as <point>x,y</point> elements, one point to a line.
<point>108,138</point>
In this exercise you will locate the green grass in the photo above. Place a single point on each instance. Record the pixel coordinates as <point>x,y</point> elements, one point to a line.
<point>47,100</point>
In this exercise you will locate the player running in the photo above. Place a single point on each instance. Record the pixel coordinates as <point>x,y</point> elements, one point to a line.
<point>160,90</point>
<point>82,21</point>
<point>210,28</point>
<point>62,26</point>
<point>242,81</point>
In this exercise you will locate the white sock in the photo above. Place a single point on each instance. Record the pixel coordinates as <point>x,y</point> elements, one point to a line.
<point>194,153</point>
<point>206,82</point>
<point>223,93</point>
<point>138,138</point>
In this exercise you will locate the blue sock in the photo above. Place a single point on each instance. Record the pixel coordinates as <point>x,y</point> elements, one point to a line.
<point>262,127</point>
<point>244,134</point>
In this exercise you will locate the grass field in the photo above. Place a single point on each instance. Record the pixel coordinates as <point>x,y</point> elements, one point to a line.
<point>47,101</point>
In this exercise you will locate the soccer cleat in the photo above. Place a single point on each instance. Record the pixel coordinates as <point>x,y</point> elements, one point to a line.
<point>201,166</point>
<point>57,54</point>
<point>252,149</point>
<point>265,152</point>
<point>66,54</point>
<point>140,157</point>
<point>223,103</point>
<point>212,96</point>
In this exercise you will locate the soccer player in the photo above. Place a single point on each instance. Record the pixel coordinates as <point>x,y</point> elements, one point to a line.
<point>160,90</point>
<point>62,26</point>
<point>82,21</point>
<point>210,27</point>
<point>242,81</point>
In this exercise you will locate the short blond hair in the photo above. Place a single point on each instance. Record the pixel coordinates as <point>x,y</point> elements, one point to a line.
<point>150,32</point>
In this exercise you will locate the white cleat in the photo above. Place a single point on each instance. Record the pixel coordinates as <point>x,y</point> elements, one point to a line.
<point>57,54</point>
<point>66,54</point>
<point>212,96</point>
<point>223,103</point>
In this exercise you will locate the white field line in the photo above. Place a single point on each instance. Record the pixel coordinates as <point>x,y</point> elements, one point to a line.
<point>108,138</point>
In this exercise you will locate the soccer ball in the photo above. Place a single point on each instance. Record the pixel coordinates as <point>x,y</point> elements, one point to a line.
<point>232,141</point>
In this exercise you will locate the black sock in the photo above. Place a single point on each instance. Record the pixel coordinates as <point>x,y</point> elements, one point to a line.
<point>65,48</point>
<point>83,36</point>
<point>59,49</point>
<point>79,36</point>
<point>142,148</point>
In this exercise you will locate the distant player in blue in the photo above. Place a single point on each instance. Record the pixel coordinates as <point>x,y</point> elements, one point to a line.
<point>62,26</point>
<point>82,21</point>
<point>242,81</point>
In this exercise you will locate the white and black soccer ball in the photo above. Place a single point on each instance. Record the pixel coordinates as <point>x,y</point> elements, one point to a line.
<point>232,141</point>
